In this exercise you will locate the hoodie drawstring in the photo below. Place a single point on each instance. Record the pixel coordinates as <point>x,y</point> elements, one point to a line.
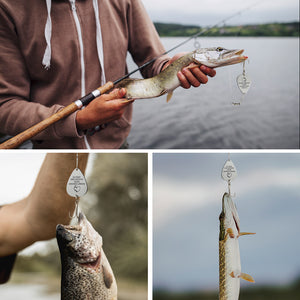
<point>99,41</point>
<point>48,33</point>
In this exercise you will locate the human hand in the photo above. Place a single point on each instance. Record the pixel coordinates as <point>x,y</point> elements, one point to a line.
<point>193,74</point>
<point>104,109</point>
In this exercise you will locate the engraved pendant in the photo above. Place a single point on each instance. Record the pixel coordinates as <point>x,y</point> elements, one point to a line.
<point>243,82</point>
<point>76,186</point>
<point>229,171</point>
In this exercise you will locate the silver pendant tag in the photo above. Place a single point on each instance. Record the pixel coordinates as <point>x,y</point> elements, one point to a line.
<point>229,171</point>
<point>76,186</point>
<point>243,83</point>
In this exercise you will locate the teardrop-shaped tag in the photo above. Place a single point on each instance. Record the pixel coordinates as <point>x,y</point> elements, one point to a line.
<point>243,83</point>
<point>229,171</point>
<point>76,186</point>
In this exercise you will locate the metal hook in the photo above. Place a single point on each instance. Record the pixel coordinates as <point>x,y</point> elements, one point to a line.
<point>244,69</point>
<point>229,190</point>
<point>76,211</point>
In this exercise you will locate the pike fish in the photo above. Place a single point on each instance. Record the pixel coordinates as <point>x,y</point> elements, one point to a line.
<point>167,81</point>
<point>86,272</point>
<point>229,253</point>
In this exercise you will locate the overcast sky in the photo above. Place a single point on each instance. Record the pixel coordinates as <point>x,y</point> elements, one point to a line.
<point>210,12</point>
<point>18,172</point>
<point>187,201</point>
<point>197,179</point>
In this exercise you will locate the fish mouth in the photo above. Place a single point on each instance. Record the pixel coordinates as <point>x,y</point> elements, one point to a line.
<point>228,207</point>
<point>94,264</point>
<point>239,52</point>
<point>235,54</point>
<point>233,57</point>
<point>63,235</point>
<point>66,232</point>
<point>73,228</point>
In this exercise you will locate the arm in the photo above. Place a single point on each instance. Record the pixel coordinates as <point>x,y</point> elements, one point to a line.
<point>35,217</point>
<point>145,44</point>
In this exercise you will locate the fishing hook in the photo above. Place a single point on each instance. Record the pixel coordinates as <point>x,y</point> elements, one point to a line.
<point>76,211</point>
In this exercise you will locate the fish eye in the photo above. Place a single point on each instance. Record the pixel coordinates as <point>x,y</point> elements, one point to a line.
<point>219,49</point>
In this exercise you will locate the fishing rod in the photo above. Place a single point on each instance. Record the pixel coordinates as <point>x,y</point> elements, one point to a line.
<point>29,133</point>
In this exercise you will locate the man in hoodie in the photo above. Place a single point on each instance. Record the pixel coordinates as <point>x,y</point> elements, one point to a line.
<point>53,52</point>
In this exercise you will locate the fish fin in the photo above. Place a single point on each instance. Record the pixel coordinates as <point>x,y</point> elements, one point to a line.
<point>234,274</point>
<point>192,65</point>
<point>247,277</point>
<point>246,233</point>
<point>108,278</point>
<point>242,275</point>
<point>170,94</point>
<point>230,232</point>
<point>128,100</point>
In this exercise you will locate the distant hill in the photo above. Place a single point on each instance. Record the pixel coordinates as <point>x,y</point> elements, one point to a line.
<point>273,29</point>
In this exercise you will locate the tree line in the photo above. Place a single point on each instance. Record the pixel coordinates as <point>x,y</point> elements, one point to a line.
<point>271,29</point>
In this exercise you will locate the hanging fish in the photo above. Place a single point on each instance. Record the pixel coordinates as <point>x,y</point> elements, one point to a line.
<point>229,253</point>
<point>86,272</point>
<point>167,80</point>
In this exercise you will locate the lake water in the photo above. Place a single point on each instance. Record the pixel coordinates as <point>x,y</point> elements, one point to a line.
<point>26,292</point>
<point>204,118</point>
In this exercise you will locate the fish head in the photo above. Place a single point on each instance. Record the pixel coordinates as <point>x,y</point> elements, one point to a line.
<point>218,56</point>
<point>229,215</point>
<point>81,242</point>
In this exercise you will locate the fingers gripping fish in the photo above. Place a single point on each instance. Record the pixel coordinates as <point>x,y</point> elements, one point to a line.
<point>86,272</point>
<point>167,81</point>
<point>229,253</point>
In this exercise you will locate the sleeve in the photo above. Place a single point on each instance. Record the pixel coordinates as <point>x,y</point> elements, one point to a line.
<point>6,266</point>
<point>144,42</point>
<point>17,112</point>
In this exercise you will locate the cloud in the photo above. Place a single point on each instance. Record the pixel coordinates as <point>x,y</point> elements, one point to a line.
<point>207,12</point>
<point>173,197</point>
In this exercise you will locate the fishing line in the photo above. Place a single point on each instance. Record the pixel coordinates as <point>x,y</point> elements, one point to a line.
<point>203,31</point>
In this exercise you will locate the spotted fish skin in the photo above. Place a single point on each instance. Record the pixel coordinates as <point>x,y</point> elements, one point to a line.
<point>86,272</point>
